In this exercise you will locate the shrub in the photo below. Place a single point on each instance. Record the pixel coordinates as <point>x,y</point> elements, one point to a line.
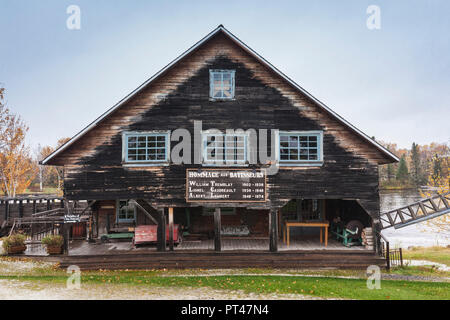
<point>13,241</point>
<point>53,240</point>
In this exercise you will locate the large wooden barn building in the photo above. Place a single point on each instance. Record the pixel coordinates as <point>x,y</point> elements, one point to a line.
<point>224,146</point>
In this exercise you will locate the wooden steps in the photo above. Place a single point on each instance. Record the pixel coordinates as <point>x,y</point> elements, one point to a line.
<point>180,260</point>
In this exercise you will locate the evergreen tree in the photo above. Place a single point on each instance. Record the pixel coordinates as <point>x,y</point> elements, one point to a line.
<point>389,172</point>
<point>437,171</point>
<point>402,171</point>
<point>416,166</point>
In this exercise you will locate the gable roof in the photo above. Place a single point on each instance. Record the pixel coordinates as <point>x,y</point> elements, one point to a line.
<point>221,28</point>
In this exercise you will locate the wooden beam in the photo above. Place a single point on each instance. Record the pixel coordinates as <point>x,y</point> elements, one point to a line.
<point>422,207</point>
<point>273,230</point>
<point>171,229</point>
<point>161,231</point>
<point>6,210</point>
<point>217,230</point>
<point>66,237</point>
<point>145,207</point>
<point>435,207</point>
<point>21,208</point>
<point>400,215</point>
<point>444,201</point>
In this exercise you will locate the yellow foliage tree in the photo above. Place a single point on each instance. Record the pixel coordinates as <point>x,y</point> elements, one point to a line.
<point>439,182</point>
<point>16,166</point>
<point>53,171</point>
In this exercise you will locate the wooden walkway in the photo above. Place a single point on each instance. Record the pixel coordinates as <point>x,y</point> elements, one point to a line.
<point>249,253</point>
<point>227,259</point>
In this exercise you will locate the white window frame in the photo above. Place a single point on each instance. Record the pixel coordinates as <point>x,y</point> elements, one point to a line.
<point>320,155</point>
<point>155,133</point>
<point>212,72</point>
<point>118,219</point>
<point>224,163</point>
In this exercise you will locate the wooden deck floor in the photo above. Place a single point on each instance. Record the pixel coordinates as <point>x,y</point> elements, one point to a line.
<point>228,245</point>
<point>262,244</point>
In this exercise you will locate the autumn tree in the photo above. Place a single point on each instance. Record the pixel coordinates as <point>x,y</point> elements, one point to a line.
<point>16,165</point>
<point>51,175</point>
<point>439,182</point>
<point>46,174</point>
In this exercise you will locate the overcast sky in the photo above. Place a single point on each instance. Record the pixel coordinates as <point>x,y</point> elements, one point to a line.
<point>392,83</point>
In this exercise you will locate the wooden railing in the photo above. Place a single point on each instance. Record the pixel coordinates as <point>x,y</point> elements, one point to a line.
<point>419,211</point>
<point>27,206</point>
<point>46,223</point>
<point>394,257</point>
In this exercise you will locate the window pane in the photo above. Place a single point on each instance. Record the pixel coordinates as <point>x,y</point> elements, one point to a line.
<point>222,84</point>
<point>228,147</point>
<point>299,147</point>
<point>150,147</point>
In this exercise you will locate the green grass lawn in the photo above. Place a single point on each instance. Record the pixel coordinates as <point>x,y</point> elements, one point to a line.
<point>326,287</point>
<point>435,254</point>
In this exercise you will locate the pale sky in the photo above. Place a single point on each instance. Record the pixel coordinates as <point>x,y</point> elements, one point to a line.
<point>392,83</point>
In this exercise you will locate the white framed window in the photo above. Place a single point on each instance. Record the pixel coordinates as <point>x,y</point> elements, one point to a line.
<point>221,84</point>
<point>125,211</point>
<point>225,149</point>
<point>300,147</point>
<point>146,147</point>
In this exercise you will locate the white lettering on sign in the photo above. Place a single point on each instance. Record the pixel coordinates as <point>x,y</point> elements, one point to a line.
<point>227,185</point>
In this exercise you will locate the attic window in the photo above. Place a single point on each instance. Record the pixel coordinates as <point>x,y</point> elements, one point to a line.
<point>221,83</point>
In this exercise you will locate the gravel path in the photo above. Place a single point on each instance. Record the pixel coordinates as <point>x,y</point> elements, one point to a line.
<point>32,290</point>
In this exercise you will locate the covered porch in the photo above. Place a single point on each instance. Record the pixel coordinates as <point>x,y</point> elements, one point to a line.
<point>302,224</point>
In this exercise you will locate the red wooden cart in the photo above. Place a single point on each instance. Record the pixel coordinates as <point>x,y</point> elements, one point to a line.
<point>147,234</point>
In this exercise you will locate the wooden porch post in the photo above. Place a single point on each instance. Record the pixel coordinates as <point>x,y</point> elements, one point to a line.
<point>217,230</point>
<point>6,210</point>
<point>66,237</point>
<point>21,208</point>
<point>161,231</point>
<point>171,229</point>
<point>273,230</point>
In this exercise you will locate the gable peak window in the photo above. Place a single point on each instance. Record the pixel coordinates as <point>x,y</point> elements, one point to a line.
<point>221,83</point>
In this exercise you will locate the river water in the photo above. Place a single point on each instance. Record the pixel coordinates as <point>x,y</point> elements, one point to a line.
<point>418,234</point>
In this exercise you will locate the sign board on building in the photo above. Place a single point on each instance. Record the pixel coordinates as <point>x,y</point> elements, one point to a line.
<point>226,185</point>
<point>72,218</point>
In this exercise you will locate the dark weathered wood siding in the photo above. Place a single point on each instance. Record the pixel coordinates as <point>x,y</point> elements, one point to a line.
<point>263,101</point>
